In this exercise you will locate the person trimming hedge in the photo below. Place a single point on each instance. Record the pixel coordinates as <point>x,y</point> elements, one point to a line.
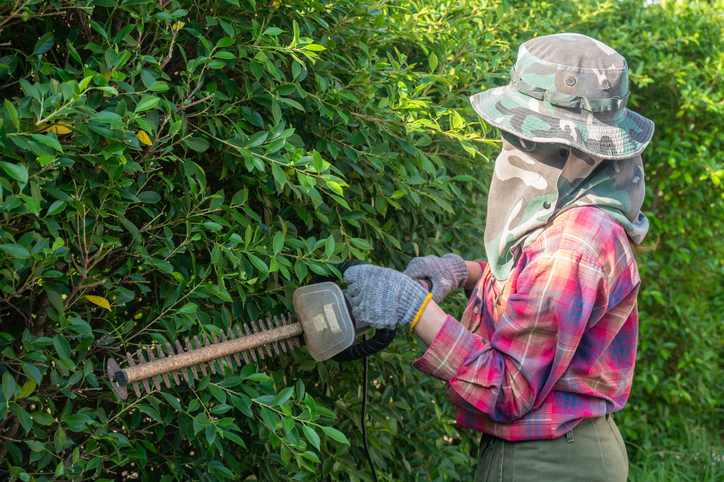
<point>544,352</point>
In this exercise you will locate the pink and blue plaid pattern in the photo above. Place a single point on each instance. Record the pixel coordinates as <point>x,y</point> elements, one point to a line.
<point>553,344</point>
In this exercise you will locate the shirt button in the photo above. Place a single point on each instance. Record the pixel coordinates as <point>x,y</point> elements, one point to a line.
<point>476,310</point>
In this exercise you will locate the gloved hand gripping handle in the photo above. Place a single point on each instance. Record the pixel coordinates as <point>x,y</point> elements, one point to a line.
<point>382,337</point>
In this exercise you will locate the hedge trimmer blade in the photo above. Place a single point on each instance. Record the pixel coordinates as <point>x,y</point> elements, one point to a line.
<point>322,316</point>
<point>252,342</point>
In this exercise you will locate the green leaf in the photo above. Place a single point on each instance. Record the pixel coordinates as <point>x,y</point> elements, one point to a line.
<point>221,470</point>
<point>295,27</point>
<point>310,456</point>
<point>311,405</point>
<point>8,386</point>
<point>56,208</point>
<point>204,383</point>
<point>279,175</point>
<point>147,103</point>
<point>283,396</point>
<point>257,139</point>
<point>48,140</point>
<point>16,251</point>
<point>77,422</point>
<point>225,42</point>
<point>173,401</point>
<point>288,423</point>
<point>300,269</point>
<point>189,308</point>
<point>17,172</point>
<point>62,347</point>
<point>29,89</point>
<point>218,393</point>
<point>314,47</point>
<point>28,388</point>
<point>278,242</point>
<point>311,435</point>
<point>242,405</point>
<point>361,243</point>
<point>54,295</point>
<point>23,417</point>
<point>329,246</point>
<point>32,372</point>
<point>150,412</point>
<point>335,186</point>
<point>198,144</point>
<point>463,177</point>
<point>432,61</point>
<point>270,418</point>
<point>43,44</point>
<point>273,31</point>
<point>43,418</point>
<point>258,377</point>
<point>13,113</point>
<point>234,438</point>
<point>35,446</point>
<point>98,28</point>
<point>107,117</point>
<point>224,55</point>
<point>275,145</point>
<point>149,197</point>
<point>131,227</point>
<point>336,435</point>
<point>59,440</point>
<point>261,265</point>
<point>318,163</point>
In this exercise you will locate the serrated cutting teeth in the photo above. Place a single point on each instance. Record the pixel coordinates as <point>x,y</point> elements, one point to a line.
<point>214,352</point>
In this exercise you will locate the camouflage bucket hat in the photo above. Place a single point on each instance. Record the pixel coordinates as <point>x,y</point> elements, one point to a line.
<point>568,89</point>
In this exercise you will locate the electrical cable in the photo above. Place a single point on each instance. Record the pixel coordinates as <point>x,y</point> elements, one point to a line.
<point>364,420</point>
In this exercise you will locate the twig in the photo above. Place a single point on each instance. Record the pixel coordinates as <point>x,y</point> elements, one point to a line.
<point>198,84</point>
<point>194,102</point>
<point>2,24</point>
<point>170,48</point>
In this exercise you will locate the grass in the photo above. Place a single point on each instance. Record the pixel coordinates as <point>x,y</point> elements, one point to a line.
<point>698,458</point>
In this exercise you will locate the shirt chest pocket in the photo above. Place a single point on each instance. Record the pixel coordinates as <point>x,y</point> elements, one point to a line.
<point>500,292</point>
<point>473,315</point>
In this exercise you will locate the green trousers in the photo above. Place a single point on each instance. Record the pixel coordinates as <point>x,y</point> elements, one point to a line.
<point>593,451</point>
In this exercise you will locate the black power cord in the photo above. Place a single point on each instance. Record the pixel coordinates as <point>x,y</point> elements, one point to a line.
<point>364,420</point>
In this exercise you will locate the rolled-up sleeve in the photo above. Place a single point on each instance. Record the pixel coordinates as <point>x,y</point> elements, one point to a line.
<point>448,352</point>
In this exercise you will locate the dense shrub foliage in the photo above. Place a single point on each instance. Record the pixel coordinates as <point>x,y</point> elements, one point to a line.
<point>171,168</point>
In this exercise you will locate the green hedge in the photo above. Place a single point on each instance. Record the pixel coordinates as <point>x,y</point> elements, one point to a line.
<point>169,169</point>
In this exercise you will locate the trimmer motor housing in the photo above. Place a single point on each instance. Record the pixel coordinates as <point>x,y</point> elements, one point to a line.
<point>328,327</point>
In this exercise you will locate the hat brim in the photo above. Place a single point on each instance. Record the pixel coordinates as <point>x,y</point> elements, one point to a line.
<point>609,135</point>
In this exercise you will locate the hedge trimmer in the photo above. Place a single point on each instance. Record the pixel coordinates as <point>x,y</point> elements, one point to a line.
<point>322,317</point>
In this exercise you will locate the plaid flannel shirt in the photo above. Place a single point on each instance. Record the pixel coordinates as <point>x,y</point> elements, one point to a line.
<point>553,344</point>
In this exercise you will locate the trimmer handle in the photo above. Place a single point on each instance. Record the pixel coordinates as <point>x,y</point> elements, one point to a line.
<point>382,337</point>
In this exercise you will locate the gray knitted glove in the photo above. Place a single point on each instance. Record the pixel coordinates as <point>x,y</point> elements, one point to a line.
<point>446,274</point>
<point>383,297</point>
